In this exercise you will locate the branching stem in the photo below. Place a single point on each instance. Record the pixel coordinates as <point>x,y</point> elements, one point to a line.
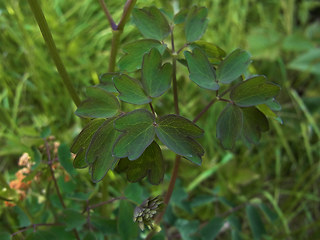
<point>47,36</point>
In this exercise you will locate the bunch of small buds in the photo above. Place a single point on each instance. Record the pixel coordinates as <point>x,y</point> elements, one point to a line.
<point>145,213</point>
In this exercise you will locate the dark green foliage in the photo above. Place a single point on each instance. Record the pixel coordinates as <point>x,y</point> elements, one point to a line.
<point>151,23</point>
<point>99,104</point>
<point>254,122</point>
<point>150,164</point>
<point>137,134</point>
<point>201,70</point>
<point>196,23</point>
<point>179,134</point>
<point>255,222</point>
<point>81,143</point>
<point>130,90</point>
<point>229,126</point>
<point>156,78</point>
<point>233,66</point>
<point>99,152</point>
<point>254,91</point>
<point>212,229</point>
<point>134,52</point>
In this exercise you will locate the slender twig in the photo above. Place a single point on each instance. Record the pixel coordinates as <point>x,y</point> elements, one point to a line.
<point>50,162</point>
<point>52,174</point>
<point>114,50</point>
<point>126,13</point>
<point>106,202</point>
<point>206,108</point>
<point>46,33</point>
<point>34,226</point>
<point>151,107</point>
<point>113,25</point>
<point>174,76</point>
<point>183,47</point>
<point>232,210</point>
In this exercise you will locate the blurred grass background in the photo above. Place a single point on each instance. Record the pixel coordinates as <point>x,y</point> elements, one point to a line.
<point>283,37</point>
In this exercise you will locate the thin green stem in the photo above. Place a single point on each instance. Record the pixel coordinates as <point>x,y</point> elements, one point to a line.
<point>174,76</point>
<point>46,33</point>
<point>114,50</point>
<point>50,162</point>
<point>126,13</point>
<point>103,5</point>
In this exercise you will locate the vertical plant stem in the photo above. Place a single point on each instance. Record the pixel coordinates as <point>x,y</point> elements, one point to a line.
<point>103,5</point>
<point>46,33</point>
<point>174,76</point>
<point>114,49</point>
<point>50,162</point>
<point>126,13</point>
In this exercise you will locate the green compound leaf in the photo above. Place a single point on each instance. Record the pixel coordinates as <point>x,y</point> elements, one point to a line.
<point>106,82</point>
<point>137,134</point>
<point>82,141</point>
<point>229,126</point>
<point>181,16</point>
<point>150,164</point>
<point>196,23</point>
<point>134,52</point>
<point>99,104</point>
<point>255,222</point>
<point>156,78</point>
<point>130,90</point>
<point>233,66</point>
<point>254,122</point>
<point>99,153</point>
<point>213,52</point>
<point>151,23</point>
<point>178,134</point>
<point>254,91</point>
<point>201,70</point>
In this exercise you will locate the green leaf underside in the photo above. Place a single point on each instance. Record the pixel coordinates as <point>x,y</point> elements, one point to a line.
<point>196,23</point>
<point>99,104</point>
<point>151,23</point>
<point>254,91</point>
<point>150,164</point>
<point>211,50</point>
<point>82,141</point>
<point>132,60</point>
<point>130,90</point>
<point>254,122</point>
<point>201,71</point>
<point>229,126</point>
<point>233,66</point>
<point>255,222</point>
<point>106,82</point>
<point>138,134</point>
<point>273,105</point>
<point>156,78</point>
<point>269,113</point>
<point>99,153</point>
<point>178,134</point>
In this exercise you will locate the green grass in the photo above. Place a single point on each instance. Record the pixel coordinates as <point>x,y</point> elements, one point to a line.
<point>282,171</point>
